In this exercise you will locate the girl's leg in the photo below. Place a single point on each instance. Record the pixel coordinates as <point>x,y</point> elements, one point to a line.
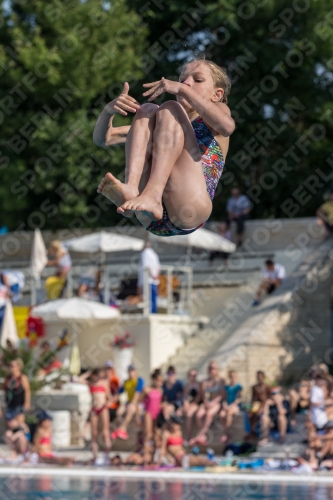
<point>176,173</point>
<point>209,419</point>
<point>148,436</point>
<point>190,411</point>
<point>138,152</point>
<point>94,434</point>
<point>105,421</point>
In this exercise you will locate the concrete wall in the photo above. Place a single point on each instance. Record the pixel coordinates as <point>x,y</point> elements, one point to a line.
<point>289,331</point>
<point>259,235</point>
<point>157,338</point>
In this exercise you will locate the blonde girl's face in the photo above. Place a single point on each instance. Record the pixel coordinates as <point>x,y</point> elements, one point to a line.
<point>198,76</point>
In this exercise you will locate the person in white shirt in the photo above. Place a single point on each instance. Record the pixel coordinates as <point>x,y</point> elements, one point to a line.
<point>150,260</point>
<point>14,283</point>
<point>318,414</point>
<point>273,276</point>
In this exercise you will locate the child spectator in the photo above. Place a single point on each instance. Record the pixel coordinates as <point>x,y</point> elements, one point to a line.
<point>192,400</point>
<point>152,404</point>
<point>230,407</point>
<point>99,414</point>
<point>318,415</point>
<point>173,393</point>
<point>172,446</point>
<point>17,435</point>
<point>132,388</point>
<point>114,389</point>
<point>275,416</point>
<point>260,394</point>
<point>43,443</point>
<point>213,391</point>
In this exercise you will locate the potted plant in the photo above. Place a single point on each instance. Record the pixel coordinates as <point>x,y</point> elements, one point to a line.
<point>123,346</point>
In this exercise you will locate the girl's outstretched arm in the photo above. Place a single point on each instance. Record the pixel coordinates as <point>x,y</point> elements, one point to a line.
<point>217,115</point>
<point>104,133</point>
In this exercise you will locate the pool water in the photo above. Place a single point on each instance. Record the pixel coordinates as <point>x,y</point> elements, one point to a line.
<point>48,488</point>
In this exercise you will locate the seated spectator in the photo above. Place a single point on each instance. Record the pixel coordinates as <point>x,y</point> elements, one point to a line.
<point>299,399</point>
<point>213,394</point>
<point>17,435</point>
<point>260,394</point>
<point>224,231</point>
<point>230,407</point>
<point>173,393</point>
<point>152,398</point>
<point>325,214</point>
<point>172,446</point>
<point>90,284</point>
<point>43,443</point>
<point>132,389</point>
<point>55,285</point>
<point>238,208</point>
<point>272,279</point>
<point>111,376</point>
<point>14,283</point>
<point>318,414</point>
<point>61,259</point>
<point>49,359</point>
<point>192,400</point>
<point>275,416</point>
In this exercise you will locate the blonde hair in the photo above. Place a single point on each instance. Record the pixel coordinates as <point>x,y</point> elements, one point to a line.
<point>57,246</point>
<point>19,363</point>
<point>219,75</point>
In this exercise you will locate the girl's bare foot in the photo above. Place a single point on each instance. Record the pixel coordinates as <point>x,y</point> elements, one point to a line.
<point>146,204</point>
<point>117,191</point>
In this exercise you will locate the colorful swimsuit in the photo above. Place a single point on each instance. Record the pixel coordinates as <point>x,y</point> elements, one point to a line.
<point>212,164</point>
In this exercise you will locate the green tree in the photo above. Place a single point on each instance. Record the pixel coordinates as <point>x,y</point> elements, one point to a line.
<point>59,61</point>
<point>280,58</point>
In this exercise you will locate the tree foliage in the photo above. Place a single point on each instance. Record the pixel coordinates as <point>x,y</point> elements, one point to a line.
<point>61,60</point>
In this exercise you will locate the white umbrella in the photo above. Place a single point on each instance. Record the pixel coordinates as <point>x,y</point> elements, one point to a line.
<point>74,309</point>
<point>201,238</point>
<point>38,258</point>
<point>103,242</point>
<point>9,329</point>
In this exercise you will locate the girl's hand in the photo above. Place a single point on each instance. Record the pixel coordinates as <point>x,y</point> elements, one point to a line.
<point>161,86</point>
<point>123,103</point>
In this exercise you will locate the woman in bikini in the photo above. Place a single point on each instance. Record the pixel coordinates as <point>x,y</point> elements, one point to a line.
<point>172,446</point>
<point>175,152</point>
<point>99,414</point>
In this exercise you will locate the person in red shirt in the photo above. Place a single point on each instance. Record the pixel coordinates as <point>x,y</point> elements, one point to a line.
<point>114,389</point>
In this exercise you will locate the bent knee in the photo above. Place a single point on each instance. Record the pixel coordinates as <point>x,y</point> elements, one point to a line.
<point>172,106</point>
<point>147,110</point>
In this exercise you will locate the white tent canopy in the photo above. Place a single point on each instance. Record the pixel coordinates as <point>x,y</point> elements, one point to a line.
<point>103,242</point>
<point>74,309</point>
<point>201,238</point>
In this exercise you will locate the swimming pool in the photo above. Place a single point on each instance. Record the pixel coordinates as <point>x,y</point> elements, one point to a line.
<point>47,487</point>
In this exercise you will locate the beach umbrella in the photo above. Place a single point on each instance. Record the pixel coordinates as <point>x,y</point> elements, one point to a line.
<point>9,329</point>
<point>201,238</point>
<point>103,242</point>
<point>38,256</point>
<point>74,309</point>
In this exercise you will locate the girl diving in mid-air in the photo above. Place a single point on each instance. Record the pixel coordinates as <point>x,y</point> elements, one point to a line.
<point>175,152</point>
